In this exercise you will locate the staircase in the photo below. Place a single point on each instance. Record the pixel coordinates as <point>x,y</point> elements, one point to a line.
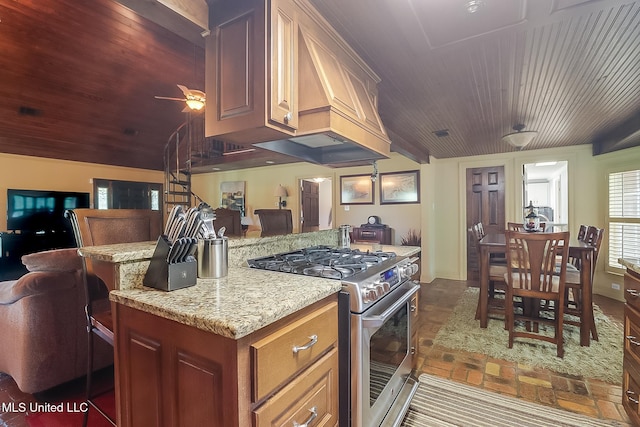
<point>186,145</point>
<point>177,163</point>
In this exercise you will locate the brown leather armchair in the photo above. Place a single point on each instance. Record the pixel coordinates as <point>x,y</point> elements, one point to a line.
<point>43,339</point>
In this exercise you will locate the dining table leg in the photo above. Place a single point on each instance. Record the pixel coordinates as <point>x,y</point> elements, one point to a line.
<point>484,286</point>
<point>586,279</point>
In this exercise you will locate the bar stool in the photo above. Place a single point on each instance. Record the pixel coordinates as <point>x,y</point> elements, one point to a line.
<point>93,227</point>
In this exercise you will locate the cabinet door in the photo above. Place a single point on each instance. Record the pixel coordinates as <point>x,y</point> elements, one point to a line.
<point>235,83</point>
<point>311,398</point>
<point>171,374</point>
<point>284,63</point>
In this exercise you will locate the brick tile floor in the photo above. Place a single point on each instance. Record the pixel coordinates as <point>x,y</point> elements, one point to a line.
<point>581,395</point>
<point>584,396</point>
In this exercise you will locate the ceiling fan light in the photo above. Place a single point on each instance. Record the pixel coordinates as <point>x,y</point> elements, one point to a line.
<point>519,139</point>
<point>195,104</point>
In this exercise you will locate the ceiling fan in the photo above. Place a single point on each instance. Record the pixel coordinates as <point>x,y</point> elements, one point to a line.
<point>195,99</point>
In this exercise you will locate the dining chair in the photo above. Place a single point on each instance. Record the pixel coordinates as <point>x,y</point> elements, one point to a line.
<point>574,287</point>
<point>574,262</point>
<point>275,221</point>
<point>497,270</point>
<point>92,227</point>
<point>531,275</point>
<point>230,220</point>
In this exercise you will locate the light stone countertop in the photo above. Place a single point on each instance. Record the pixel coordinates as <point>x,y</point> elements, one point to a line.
<point>235,306</point>
<point>398,250</point>
<point>632,264</point>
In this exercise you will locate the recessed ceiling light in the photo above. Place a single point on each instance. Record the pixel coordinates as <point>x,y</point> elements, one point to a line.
<point>269,162</point>
<point>215,169</point>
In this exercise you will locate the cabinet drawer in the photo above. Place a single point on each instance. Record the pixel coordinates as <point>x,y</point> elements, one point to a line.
<point>280,355</point>
<point>310,398</point>
<point>632,291</point>
<point>632,335</point>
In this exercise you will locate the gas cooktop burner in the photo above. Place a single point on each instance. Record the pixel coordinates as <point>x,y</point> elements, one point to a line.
<point>322,261</point>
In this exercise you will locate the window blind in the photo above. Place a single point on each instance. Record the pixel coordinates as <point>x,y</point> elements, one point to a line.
<point>624,216</point>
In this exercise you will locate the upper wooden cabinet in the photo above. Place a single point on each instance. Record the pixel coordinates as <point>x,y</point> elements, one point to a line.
<point>277,70</point>
<point>251,80</point>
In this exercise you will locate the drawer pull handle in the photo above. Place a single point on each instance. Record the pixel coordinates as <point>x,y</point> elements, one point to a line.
<point>307,346</point>
<point>633,340</point>
<point>634,293</point>
<point>314,414</point>
<point>630,398</point>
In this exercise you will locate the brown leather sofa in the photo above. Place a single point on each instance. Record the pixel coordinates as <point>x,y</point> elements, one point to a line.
<point>43,338</point>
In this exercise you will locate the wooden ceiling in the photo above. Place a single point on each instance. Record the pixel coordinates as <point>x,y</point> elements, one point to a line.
<point>78,79</point>
<point>568,69</point>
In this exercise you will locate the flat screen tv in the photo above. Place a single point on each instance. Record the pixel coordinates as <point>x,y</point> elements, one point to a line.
<point>40,210</point>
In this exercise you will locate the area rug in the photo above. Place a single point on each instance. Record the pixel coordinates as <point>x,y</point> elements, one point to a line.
<point>601,360</point>
<point>444,403</point>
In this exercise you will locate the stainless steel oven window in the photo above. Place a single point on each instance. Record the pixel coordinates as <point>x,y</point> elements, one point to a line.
<point>371,410</point>
<point>388,348</point>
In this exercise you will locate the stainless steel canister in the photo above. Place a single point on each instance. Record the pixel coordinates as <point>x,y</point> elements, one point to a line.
<point>213,260</point>
<point>344,238</point>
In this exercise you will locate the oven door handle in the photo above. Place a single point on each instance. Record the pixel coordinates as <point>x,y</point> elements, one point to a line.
<point>378,320</point>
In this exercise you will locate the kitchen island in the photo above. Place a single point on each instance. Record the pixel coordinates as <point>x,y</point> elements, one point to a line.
<point>220,352</point>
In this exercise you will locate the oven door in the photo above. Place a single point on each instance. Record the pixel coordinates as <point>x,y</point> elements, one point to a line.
<point>384,358</point>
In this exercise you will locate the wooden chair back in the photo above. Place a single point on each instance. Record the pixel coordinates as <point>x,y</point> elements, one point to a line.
<point>532,275</point>
<point>532,262</point>
<point>275,221</point>
<point>230,219</point>
<point>582,231</point>
<point>93,227</point>
<point>593,237</point>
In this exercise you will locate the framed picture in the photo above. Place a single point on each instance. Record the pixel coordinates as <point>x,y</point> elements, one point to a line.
<point>232,195</point>
<point>356,190</point>
<point>400,187</point>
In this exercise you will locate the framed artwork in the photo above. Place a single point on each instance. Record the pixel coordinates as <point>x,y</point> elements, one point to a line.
<point>400,187</point>
<point>356,190</point>
<point>232,195</point>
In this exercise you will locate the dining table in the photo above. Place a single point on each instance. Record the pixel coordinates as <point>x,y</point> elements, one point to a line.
<point>496,243</point>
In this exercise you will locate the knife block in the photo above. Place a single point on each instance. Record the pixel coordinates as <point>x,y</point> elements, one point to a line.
<point>169,277</point>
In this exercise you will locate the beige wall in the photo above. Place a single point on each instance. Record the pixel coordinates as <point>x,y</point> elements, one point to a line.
<point>35,173</point>
<point>261,183</point>
<point>440,216</point>
<point>587,203</point>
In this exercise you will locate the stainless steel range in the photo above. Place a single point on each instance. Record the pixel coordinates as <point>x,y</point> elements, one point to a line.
<point>377,305</point>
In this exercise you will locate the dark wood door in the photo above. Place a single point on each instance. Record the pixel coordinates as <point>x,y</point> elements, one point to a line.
<point>485,204</point>
<point>310,206</point>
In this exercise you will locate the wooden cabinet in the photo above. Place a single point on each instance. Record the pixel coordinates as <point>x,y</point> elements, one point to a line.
<point>380,235</point>
<point>246,100</point>
<point>276,69</point>
<point>631,365</point>
<point>292,348</point>
<point>170,374</point>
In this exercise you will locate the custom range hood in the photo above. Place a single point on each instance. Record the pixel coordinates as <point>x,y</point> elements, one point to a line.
<point>318,102</point>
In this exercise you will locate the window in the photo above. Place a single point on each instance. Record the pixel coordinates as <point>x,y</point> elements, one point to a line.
<point>624,216</point>
<point>112,194</point>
